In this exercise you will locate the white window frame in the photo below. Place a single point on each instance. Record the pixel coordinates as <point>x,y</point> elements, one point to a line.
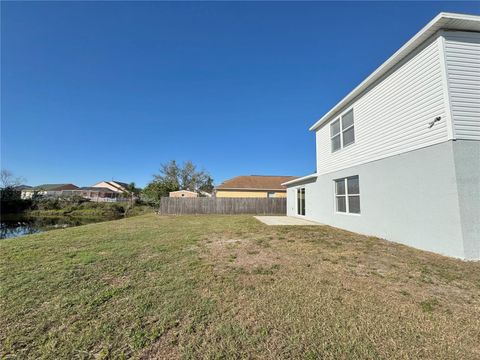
<point>346,196</point>
<point>332,136</point>
<point>342,130</point>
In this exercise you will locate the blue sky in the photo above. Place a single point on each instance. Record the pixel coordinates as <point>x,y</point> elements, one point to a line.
<point>96,91</point>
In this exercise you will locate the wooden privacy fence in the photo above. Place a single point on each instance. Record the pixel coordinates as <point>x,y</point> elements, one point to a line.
<point>259,206</point>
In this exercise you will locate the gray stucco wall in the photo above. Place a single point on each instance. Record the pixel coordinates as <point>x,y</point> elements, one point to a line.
<point>467,170</point>
<point>410,198</point>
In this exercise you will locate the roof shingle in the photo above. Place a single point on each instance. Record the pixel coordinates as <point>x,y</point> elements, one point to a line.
<point>255,182</point>
<point>55,187</point>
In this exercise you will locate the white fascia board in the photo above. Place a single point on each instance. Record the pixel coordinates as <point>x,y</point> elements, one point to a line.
<point>308,177</point>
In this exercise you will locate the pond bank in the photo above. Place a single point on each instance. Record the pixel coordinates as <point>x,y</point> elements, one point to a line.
<point>18,225</point>
<point>35,221</point>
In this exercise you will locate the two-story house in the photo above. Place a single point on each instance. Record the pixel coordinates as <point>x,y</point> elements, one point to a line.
<point>399,156</point>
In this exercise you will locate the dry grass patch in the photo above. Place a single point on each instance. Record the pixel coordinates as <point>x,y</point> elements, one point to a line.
<point>336,294</point>
<point>231,287</point>
<point>247,254</point>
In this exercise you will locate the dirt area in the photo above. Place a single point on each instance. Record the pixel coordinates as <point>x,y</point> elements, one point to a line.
<point>284,220</point>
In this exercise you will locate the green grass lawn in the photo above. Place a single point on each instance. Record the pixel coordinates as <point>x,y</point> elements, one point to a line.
<point>231,287</point>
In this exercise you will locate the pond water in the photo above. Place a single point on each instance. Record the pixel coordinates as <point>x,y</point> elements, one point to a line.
<point>14,226</point>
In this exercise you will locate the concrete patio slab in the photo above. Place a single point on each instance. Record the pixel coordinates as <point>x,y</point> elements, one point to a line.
<point>284,220</point>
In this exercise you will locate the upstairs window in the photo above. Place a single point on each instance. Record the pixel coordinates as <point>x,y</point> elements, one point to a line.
<point>348,130</point>
<point>336,135</point>
<point>342,131</point>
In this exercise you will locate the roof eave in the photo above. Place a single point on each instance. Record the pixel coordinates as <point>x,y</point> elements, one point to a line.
<point>252,189</point>
<point>300,179</point>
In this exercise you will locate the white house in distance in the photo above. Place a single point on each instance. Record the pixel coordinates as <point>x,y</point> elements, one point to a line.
<point>399,156</point>
<point>183,193</point>
<point>47,190</point>
<point>104,191</point>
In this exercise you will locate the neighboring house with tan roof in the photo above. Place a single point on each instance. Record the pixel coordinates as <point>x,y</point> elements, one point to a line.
<point>254,186</point>
<point>117,186</point>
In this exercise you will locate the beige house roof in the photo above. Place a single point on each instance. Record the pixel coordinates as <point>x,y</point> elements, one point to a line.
<point>255,182</point>
<point>116,186</point>
<point>53,187</point>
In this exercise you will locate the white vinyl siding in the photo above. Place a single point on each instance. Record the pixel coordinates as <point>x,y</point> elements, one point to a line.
<point>392,116</point>
<point>342,131</point>
<point>462,56</point>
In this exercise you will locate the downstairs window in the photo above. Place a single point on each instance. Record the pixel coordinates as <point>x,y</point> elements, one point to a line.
<point>347,195</point>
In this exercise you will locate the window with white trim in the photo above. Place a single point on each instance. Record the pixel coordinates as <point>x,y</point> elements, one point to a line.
<point>347,195</point>
<point>342,131</point>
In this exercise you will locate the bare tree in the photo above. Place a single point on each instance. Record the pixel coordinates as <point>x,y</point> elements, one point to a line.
<point>8,184</point>
<point>8,180</point>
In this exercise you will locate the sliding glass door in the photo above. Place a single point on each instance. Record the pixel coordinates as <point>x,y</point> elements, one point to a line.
<point>301,201</point>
